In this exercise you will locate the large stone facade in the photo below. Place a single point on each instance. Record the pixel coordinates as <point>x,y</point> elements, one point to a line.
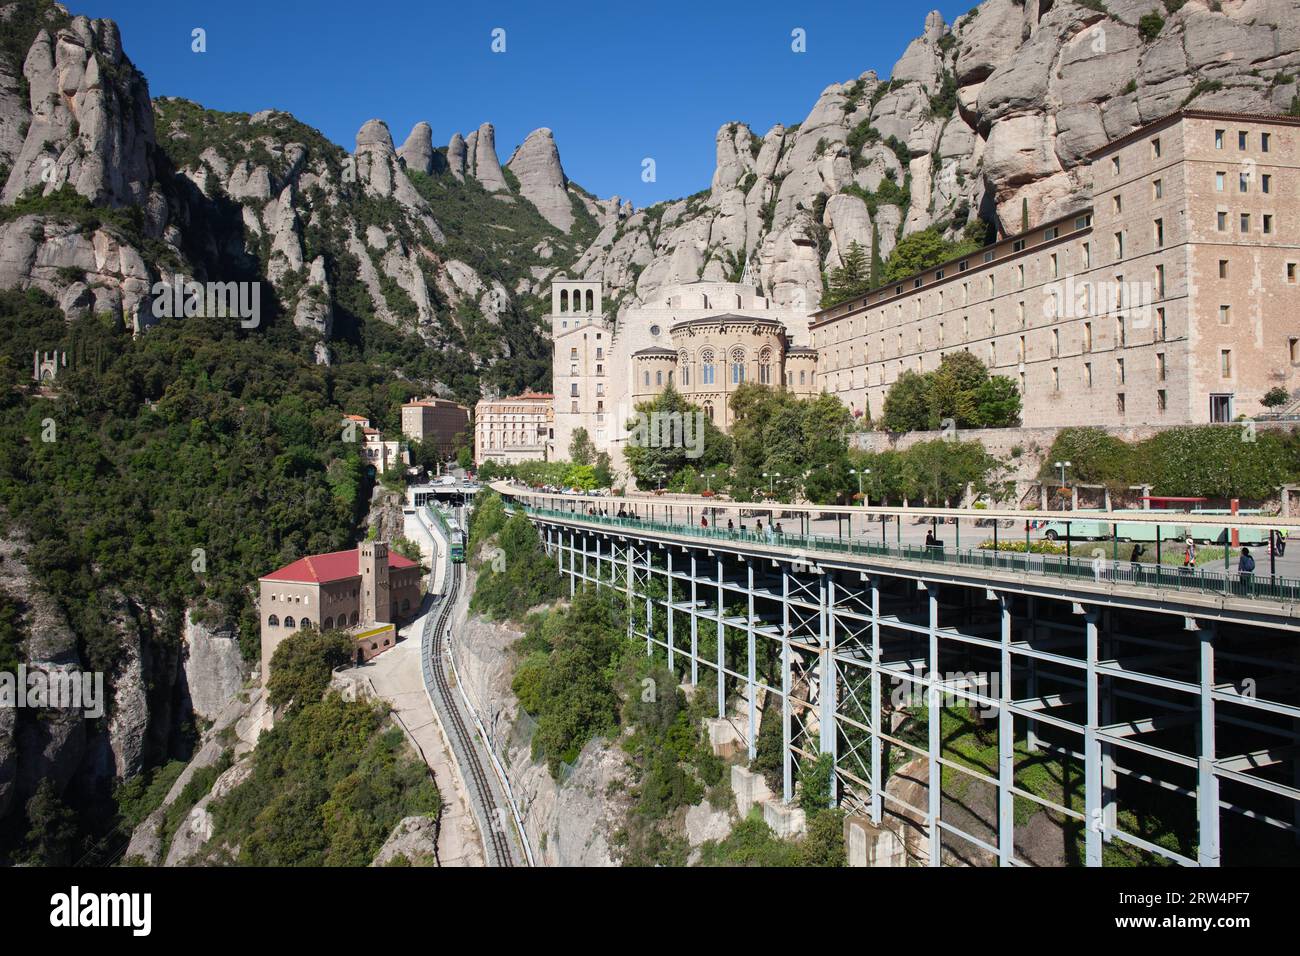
<point>515,429</point>
<point>703,338</point>
<point>354,589</point>
<point>436,422</point>
<point>1169,300</point>
<point>1166,297</point>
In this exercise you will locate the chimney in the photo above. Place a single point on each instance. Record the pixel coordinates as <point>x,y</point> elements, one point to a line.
<point>372,563</point>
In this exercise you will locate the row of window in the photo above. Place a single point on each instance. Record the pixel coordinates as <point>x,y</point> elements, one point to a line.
<point>580,298</point>
<point>1243,222</point>
<point>1221,137</point>
<point>342,621</point>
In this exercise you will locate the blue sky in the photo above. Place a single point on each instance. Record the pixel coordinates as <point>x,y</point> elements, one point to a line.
<point>616,81</point>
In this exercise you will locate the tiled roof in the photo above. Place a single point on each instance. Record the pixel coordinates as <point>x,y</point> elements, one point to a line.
<point>334,566</point>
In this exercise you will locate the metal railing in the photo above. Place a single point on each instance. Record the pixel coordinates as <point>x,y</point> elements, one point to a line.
<point>1063,566</point>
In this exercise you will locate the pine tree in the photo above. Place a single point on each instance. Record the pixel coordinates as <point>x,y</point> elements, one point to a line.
<point>852,278</point>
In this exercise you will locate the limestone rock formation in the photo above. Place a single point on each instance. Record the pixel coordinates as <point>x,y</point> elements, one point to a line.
<point>536,164</point>
<point>214,669</point>
<point>997,110</point>
<point>483,163</point>
<point>91,123</point>
<point>417,151</point>
<point>457,155</point>
<point>414,838</point>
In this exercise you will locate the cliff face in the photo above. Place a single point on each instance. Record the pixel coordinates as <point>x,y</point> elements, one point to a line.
<point>263,197</point>
<point>569,822</point>
<point>987,117</point>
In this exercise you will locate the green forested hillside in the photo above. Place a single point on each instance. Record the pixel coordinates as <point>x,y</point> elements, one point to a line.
<point>186,462</point>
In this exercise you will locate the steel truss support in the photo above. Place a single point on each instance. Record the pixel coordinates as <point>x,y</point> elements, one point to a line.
<point>1207,783</point>
<point>1006,743</point>
<point>1088,690</point>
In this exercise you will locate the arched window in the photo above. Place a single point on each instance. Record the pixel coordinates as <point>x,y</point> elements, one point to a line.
<point>708,410</point>
<point>591,301</point>
<point>647,378</point>
<point>564,300</point>
<point>288,622</point>
<point>329,623</point>
<point>684,361</point>
<point>272,621</point>
<point>353,619</point>
<point>738,366</point>
<point>305,622</point>
<point>706,365</point>
<point>765,367</point>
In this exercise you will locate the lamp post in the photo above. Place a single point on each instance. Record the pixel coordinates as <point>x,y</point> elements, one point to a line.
<point>866,501</point>
<point>1062,465</point>
<point>770,479</point>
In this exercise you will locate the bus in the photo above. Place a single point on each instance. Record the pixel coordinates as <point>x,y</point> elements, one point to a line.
<point>1090,529</point>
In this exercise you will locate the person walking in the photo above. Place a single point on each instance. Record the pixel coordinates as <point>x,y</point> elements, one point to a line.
<point>731,526</point>
<point>1134,556</point>
<point>704,522</point>
<point>1189,557</point>
<point>1246,568</point>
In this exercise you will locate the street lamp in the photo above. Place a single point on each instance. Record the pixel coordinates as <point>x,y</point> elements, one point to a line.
<point>770,478</point>
<point>866,502</point>
<point>1062,465</point>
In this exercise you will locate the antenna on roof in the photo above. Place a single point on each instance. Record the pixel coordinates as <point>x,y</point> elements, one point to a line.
<point>747,277</point>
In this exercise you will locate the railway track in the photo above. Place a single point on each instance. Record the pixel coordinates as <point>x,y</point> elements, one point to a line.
<point>491,816</point>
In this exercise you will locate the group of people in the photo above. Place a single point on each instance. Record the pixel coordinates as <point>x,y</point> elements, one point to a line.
<point>772,530</point>
<point>1245,560</point>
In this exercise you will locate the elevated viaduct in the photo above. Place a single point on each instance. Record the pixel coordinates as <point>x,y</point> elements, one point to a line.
<point>1149,714</point>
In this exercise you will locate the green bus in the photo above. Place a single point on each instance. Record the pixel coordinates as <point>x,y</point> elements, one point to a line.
<point>1086,529</point>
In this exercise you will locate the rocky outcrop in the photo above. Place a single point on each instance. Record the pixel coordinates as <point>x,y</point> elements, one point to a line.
<point>38,743</point>
<point>242,719</point>
<point>979,118</point>
<point>315,309</point>
<point>417,151</point>
<point>536,164</point>
<point>214,670</point>
<point>569,823</point>
<point>91,122</point>
<point>457,156</point>
<point>414,839</point>
<point>483,163</point>
<point>192,836</point>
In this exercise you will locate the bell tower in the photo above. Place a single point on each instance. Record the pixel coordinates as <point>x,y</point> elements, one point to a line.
<point>372,564</point>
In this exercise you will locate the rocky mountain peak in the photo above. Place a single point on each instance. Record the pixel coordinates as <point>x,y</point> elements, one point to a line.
<point>536,164</point>
<point>417,151</point>
<point>985,118</point>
